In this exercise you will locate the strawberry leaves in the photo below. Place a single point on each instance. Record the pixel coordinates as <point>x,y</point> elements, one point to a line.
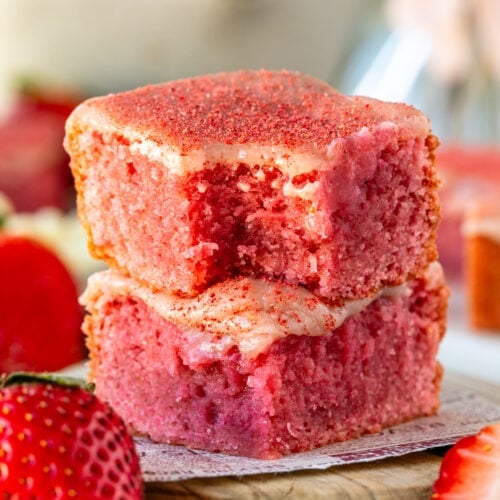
<point>17,378</point>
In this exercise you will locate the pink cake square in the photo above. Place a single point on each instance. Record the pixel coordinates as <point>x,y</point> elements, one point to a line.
<point>263,369</point>
<point>469,175</point>
<point>256,173</point>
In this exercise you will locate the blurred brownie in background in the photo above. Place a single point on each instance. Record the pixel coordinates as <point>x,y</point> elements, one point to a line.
<point>468,173</point>
<point>481,230</point>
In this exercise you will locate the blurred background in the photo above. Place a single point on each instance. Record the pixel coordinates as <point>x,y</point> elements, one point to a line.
<point>443,56</point>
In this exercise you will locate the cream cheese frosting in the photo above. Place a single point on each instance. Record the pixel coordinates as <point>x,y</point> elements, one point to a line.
<point>286,160</point>
<point>294,122</point>
<point>248,313</point>
<point>289,162</point>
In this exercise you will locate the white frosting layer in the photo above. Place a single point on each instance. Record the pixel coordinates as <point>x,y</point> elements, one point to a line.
<point>289,161</point>
<point>249,313</point>
<point>197,160</point>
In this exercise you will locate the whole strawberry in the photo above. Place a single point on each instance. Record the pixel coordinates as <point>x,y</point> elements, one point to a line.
<point>470,470</point>
<point>60,441</point>
<point>40,317</point>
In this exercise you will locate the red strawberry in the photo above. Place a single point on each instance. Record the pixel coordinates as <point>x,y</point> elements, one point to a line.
<point>40,316</point>
<point>471,469</point>
<point>59,101</point>
<point>60,441</point>
<point>33,164</point>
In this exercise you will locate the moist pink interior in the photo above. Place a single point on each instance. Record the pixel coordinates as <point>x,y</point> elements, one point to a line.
<point>371,224</point>
<point>376,370</point>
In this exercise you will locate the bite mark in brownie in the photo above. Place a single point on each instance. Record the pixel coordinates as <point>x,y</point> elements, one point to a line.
<point>339,198</point>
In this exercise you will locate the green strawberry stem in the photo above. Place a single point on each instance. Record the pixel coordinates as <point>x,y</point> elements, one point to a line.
<point>44,378</point>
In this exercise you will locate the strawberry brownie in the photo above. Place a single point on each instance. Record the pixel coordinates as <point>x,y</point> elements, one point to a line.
<point>269,175</point>
<point>481,232</point>
<point>263,369</point>
<point>469,174</point>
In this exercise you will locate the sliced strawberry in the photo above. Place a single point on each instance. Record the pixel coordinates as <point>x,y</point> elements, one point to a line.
<point>471,468</point>
<point>40,316</point>
<point>60,441</point>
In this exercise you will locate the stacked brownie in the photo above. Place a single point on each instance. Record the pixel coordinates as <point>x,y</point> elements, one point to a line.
<point>273,283</point>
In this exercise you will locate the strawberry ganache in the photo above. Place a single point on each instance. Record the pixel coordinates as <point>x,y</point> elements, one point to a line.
<point>270,175</point>
<point>246,370</point>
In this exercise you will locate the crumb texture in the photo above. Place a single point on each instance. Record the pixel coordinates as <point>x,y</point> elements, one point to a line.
<point>367,222</point>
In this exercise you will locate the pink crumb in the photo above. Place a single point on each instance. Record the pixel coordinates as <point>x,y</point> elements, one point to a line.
<point>378,369</point>
<point>372,222</point>
<point>365,218</point>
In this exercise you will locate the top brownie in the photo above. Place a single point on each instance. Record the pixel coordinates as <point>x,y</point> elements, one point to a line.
<point>264,174</point>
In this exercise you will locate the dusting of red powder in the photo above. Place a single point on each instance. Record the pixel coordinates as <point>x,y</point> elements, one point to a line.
<point>277,108</point>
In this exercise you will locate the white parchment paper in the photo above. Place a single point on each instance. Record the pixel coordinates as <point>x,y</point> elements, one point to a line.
<point>462,413</point>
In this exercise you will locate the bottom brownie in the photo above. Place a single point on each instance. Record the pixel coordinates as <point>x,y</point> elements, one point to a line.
<point>376,369</point>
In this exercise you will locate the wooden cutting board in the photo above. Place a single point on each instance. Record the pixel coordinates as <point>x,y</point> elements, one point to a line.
<point>408,477</point>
